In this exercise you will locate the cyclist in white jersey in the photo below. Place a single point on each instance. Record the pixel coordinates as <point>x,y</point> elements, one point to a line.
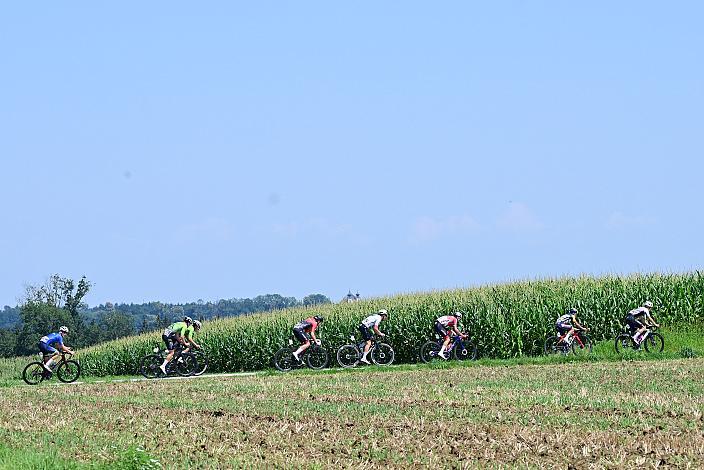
<point>369,327</point>
<point>566,324</point>
<point>640,318</point>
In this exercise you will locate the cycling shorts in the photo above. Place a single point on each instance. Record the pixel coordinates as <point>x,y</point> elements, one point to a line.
<point>633,323</point>
<point>563,328</point>
<point>170,341</point>
<point>301,335</point>
<point>442,331</point>
<point>46,349</point>
<point>366,332</point>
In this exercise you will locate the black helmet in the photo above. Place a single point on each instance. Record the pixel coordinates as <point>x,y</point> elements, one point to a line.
<point>188,321</point>
<point>572,311</point>
<point>318,318</point>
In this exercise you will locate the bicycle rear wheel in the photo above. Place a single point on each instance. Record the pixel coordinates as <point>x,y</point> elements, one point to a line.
<point>348,355</point>
<point>654,343</point>
<point>382,354</point>
<point>429,351</point>
<point>584,348</point>
<point>624,343</point>
<point>317,358</point>
<point>149,367</point>
<point>33,373</point>
<point>283,360</point>
<point>553,347</point>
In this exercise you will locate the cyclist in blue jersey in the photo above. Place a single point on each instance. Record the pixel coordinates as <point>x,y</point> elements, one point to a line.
<point>47,343</point>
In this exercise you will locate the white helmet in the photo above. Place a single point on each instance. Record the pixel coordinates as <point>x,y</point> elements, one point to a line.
<point>197,324</point>
<point>457,314</point>
<point>648,304</point>
<point>63,329</point>
<point>383,312</point>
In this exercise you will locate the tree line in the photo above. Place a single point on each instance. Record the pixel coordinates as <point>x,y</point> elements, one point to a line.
<point>60,302</point>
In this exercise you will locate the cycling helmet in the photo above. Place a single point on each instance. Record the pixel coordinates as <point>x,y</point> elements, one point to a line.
<point>648,304</point>
<point>197,324</point>
<point>318,318</point>
<point>188,320</point>
<point>457,314</point>
<point>63,329</point>
<point>383,312</point>
<point>572,311</point>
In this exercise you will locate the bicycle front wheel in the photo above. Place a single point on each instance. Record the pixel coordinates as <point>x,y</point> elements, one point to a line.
<point>429,351</point>
<point>317,358</point>
<point>186,364</point>
<point>149,367</point>
<point>624,343</point>
<point>202,361</point>
<point>348,355</point>
<point>383,354</point>
<point>584,348</point>
<point>465,351</point>
<point>68,371</point>
<point>33,373</point>
<point>654,343</point>
<point>283,360</point>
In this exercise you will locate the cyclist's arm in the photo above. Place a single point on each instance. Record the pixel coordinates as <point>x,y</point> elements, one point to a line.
<point>650,320</point>
<point>577,324</point>
<point>376,330</point>
<point>312,333</point>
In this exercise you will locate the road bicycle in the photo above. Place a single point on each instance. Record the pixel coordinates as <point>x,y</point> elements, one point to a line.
<point>67,370</point>
<point>350,355</point>
<point>575,340</point>
<point>315,357</point>
<point>459,348</point>
<point>649,339</point>
<point>183,364</point>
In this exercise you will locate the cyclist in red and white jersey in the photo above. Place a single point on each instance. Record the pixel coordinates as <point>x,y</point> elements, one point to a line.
<point>369,327</point>
<point>304,331</point>
<point>446,324</point>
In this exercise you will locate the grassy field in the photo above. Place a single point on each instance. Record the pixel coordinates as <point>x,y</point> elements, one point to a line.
<point>585,414</point>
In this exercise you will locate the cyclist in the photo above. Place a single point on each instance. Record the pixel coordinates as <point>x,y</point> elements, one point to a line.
<point>639,319</point>
<point>445,323</point>
<point>190,333</point>
<point>304,331</point>
<point>372,321</point>
<point>566,324</point>
<point>49,352</point>
<point>173,336</point>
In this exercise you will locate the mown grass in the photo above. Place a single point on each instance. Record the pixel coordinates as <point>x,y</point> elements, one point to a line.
<point>601,414</point>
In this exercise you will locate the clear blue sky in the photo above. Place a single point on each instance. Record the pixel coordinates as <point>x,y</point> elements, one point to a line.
<point>177,151</point>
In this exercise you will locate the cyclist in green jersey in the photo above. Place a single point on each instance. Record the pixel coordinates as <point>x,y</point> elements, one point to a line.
<point>190,334</point>
<point>173,336</point>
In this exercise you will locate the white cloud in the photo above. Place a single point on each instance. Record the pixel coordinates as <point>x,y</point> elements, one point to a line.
<point>619,220</point>
<point>519,218</point>
<point>431,228</point>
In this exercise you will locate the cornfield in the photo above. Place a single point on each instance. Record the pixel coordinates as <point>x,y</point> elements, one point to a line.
<point>505,321</point>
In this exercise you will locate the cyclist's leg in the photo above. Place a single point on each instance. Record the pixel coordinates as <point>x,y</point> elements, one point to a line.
<point>170,342</point>
<point>367,337</point>
<point>48,355</point>
<point>304,339</point>
<point>445,334</point>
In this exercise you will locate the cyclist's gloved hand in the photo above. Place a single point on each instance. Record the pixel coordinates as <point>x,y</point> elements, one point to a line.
<point>317,341</point>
